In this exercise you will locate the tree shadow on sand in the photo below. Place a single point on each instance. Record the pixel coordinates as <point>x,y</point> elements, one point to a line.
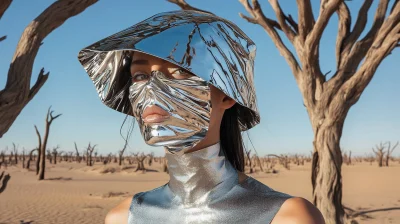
<point>25,222</point>
<point>59,178</point>
<point>364,213</point>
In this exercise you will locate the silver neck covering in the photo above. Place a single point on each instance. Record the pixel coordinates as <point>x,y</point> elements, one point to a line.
<point>204,188</point>
<point>200,176</point>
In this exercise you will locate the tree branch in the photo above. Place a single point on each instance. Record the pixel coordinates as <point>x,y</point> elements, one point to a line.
<point>344,30</point>
<point>352,89</point>
<point>305,18</point>
<point>249,9</point>
<point>256,12</point>
<point>327,8</point>
<point>359,27</point>
<point>4,4</point>
<point>351,60</point>
<point>282,20</point>
<point>185,6</point>
<point>17,92</point>
<point>360,48</point>
<point>39,138</point>
<point>42,78</point>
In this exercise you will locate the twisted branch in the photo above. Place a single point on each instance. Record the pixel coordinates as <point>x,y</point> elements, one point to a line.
<point>185,6</point>
<point>17,92</point>
<point>269,26</point>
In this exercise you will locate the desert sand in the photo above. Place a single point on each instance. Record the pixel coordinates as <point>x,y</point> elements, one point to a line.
<point>76,193</point>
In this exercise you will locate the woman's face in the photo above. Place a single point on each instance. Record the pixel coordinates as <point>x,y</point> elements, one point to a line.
<point>175,106</point>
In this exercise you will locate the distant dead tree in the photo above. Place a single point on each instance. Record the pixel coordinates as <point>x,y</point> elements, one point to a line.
<point>284,160</point>
<point>55,153</point>
<point>70,155</point>
<point>151,157</point>
<point>389,153</point>
<point>165,165</point>
<point>28,163</point>
<point>4,179</point>
<point>42,145</point>
<point>249,161</point>
<point>23,158</point>
<point>347,158</point>
<point>121,153</point>
<point>140,161</point>
<point>379,153</point>
<point>89,151</point>
<point>17,92</point>
<point>328,99</point>
<point>369,158</point>
<point>48,155</point>
<point>15,152</point>
<point>3,161</point>
<point>78,158</point>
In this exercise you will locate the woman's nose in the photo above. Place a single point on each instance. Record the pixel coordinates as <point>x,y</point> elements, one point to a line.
<point>155,67</point>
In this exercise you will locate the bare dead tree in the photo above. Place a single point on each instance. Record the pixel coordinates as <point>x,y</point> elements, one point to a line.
<point>28,163</point>
<point>284,160</point>
<point>17,92</point>
<point>140,161</point>
<point>369,158</point>
<point>151,157</point>
<point>379,153</point>
<point>349,161</point>
<point>48,155</point>
<point>23,158</point>
<point>78,158</point>
<point>55,153</point>
<point>70,155</point>
<point>328,101</point>
<point>89,151</point>
<point>347,157</point>
<point>165,165</point>
<point>3,159</point>
<point>15,153</point>
<point>42,145</point>
<point>389,153</point>
<point>121,153</point>
<point>4,181</point>
<point>249,161</point>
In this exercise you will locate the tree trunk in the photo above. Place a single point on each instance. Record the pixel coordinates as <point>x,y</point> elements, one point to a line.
<point>38,160</point>
<point>120,160</point>
<point>326,171</point>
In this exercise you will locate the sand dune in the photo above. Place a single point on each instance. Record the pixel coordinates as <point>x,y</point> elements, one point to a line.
<point>75,193</point>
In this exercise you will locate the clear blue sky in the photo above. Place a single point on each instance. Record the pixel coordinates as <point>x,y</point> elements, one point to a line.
<point>284,127</point>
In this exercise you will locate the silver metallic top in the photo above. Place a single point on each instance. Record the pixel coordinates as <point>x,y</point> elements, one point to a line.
<point>204,188</point>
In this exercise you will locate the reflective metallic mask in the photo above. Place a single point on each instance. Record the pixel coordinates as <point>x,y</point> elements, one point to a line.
<point>215,50</point>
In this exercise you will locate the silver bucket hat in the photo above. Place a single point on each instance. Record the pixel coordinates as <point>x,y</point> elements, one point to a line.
<point>210,47</point>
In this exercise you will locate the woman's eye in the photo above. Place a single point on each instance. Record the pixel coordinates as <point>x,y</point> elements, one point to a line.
<point>181,74</point>
<point>139,76</point>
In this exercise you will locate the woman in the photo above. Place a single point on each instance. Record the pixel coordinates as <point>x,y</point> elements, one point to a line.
<point>187,78</point>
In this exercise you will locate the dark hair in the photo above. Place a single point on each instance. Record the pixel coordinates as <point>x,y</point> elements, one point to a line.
<point>231,137</point>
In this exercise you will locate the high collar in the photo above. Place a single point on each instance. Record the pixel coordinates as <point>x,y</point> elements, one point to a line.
<point>200,176</point>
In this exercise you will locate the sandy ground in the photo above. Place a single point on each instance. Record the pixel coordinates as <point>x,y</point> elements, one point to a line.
<point>75,193</point>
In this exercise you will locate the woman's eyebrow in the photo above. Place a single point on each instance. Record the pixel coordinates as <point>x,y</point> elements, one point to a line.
<point>140,62</point>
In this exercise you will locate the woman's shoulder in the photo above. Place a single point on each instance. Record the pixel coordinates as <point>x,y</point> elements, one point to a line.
<point>298,210</point>
<point>289,209</point>
<point>119,214</point>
